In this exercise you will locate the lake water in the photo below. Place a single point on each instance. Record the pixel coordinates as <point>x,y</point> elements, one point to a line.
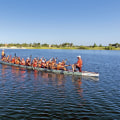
<point>31,95</point>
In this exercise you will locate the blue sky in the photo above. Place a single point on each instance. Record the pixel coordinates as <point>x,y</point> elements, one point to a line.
<point>81,22</point>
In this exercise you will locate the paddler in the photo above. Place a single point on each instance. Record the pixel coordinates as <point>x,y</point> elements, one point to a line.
<point>28,62</point>
<point>8,58</point>
<point>61,65</point>
<point>78,64</point>
<point>43,64</point>
<point>22,61</point>
<point>3,54</point>
<point>34,63</point>
<point>53,64</point>
<point>13,60</point>
<point>17,61</point>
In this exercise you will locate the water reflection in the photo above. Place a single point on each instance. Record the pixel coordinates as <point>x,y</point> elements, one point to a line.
<point>15,71</point>
<point>3,75</point>
<point>57,96</point>
<point>35,74</point>
<point>50,78</point>
<point>4,70</point>
<point>47,84</point>
<point>18,73</point>
<point>44,75</point>
<point>78,84</point>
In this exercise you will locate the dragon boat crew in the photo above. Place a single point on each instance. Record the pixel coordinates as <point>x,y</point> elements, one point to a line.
<point>4,59</point>
<point>7,58</point>
<point>27,62</point>
<point>34,63</point>
<point>48,64</point>
<point>40,63</point>
<point>61,66</point>
<point>52,64</point>
<point>43,64</point>
<point>78,64</point>
<point>13,60</point>
<point>17,61</point>
<point>22,61</point>
<point>3,54</point>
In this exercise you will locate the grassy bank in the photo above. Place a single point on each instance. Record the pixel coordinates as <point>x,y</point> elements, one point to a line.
<point>80,48</point>
<point>51,48</point>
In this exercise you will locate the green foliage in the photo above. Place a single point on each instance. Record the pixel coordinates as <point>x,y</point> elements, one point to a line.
<point>66,45</point>
<point>45,45</point>
<point>24,45</point>
<point>55,45</point>
<point>100,45</point>
<point>2,45</point>
<point>115,46</point>
<point>95,45</point>
<point>83,47</point>
<point>35,45</point>
<point>108,48</point>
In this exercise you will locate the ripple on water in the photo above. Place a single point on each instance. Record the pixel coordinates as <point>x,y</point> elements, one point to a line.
<point>26,94</point>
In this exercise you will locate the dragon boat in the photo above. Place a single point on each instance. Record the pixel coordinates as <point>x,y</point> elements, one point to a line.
<point>68,72</point>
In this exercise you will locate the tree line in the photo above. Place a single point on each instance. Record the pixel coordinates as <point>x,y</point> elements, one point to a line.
<point>42,45</point>
<point>63,45</point>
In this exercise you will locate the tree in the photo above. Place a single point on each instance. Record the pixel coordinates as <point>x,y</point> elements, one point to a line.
<point>95,45</point>
<point>71,44</point>
<point>100,45</point>
<point>45,45</point>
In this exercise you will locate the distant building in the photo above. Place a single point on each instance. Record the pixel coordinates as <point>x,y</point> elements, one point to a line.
<point>6,45</point>
<point>116,45</point>
<point>49,46</point>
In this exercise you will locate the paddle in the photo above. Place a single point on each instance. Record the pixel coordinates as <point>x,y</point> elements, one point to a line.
<point>57,59</point>
<point>30,58</point>
<point>68,62</point>
<point>15,55</point>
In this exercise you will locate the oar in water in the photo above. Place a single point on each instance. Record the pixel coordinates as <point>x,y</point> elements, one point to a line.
<point>57,59</point>
<point>68,62</point>
<point>15,55</point>
<point>30,58</point>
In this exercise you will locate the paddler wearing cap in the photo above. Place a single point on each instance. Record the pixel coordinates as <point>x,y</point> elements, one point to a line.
<point>27,62</point>
<point>78,64</point>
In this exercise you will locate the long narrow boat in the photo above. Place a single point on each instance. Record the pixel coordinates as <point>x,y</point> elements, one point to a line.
<point>69,72</point>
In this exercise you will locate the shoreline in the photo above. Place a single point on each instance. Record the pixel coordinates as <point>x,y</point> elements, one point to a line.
<point>73,48</point>
<point>64,48</point>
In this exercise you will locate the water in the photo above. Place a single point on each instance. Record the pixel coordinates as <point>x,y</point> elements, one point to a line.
<point>27,95</point>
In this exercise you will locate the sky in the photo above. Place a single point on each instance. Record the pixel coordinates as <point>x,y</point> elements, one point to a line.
<point>81,22</point>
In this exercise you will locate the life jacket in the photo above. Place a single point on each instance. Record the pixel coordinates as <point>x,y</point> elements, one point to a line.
<point>17,62</point>
<point>43,65</point>
<point>79,63</point>
<point>23,62</point>
<point>39,65</point>
<point>13,60</point>
<point>35,64</point>
<point>27,62</point>
<point>3,53</point>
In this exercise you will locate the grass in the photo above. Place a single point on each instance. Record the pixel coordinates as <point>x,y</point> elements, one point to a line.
<point>80,47</point>
<point>51,48</point>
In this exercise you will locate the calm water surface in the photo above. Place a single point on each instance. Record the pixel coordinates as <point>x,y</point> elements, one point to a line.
<point>29,95</point>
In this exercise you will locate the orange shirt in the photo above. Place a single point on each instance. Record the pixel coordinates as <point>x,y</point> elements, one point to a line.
<point>35,64</point>
<point>23,62</point>
<point>3,53</point>
<point>13,60</point>
<point>79,62</point>
<point>17,62</point>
